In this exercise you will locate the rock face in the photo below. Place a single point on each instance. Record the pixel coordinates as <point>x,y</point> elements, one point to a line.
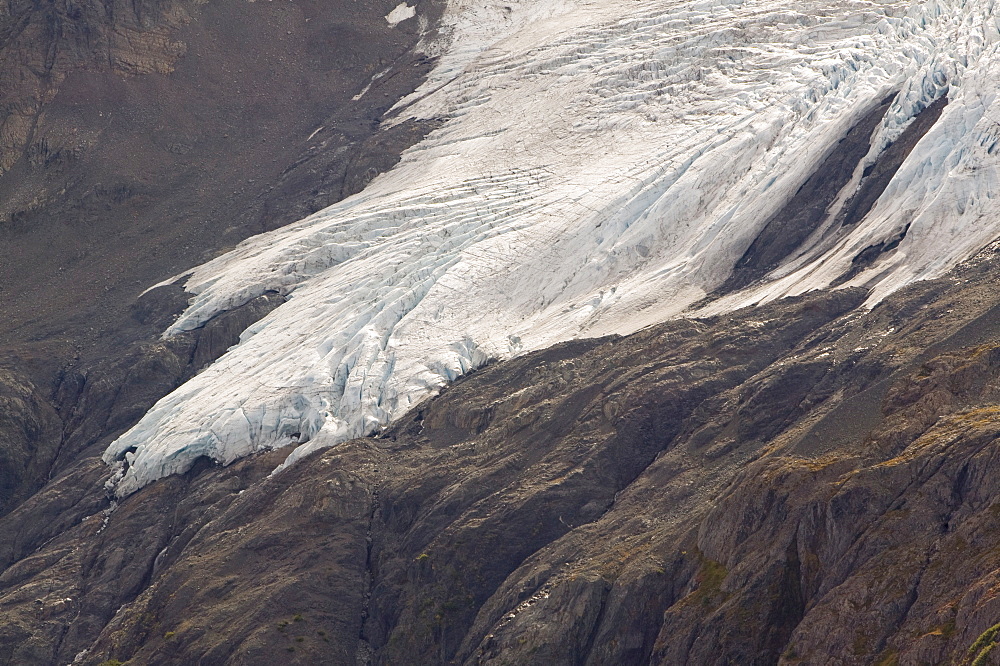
<point>798,483</point>
<point>795,483</point>
<point>138,139</point>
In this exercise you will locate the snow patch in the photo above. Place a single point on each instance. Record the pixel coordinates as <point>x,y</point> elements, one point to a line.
<point>402,12</point>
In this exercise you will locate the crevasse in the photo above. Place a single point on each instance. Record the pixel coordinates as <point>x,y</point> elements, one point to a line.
<point>602,166</point>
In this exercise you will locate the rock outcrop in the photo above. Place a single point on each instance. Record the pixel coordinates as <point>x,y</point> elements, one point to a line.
<point>797,483</point>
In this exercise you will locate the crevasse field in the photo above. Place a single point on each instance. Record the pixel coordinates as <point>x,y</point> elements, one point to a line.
<point>602,166</point>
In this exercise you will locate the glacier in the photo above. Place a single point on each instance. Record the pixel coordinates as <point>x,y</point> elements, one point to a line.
<point>602,165</point>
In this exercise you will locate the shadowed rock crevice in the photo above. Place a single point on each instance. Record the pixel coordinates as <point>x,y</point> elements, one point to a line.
<point>868,256</point>
<point>876,176</point>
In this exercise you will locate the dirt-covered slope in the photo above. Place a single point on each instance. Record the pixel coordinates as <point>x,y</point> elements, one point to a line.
<point>138,139</point>
<point>795,483</point>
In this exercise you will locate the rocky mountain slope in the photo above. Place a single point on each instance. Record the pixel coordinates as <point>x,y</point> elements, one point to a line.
<point>795,483</point>
<point>798,468</point>
<point>145,137</point>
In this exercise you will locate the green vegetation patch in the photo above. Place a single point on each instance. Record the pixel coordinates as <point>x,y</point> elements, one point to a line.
<point>981,648</point>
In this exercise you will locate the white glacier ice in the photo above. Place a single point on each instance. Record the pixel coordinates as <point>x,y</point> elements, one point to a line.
<point>602,166</point>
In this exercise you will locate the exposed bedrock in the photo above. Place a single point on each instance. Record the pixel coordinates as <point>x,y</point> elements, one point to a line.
<point>29,436</point>
<point>786,232</point>
<point>794,483</point>
<point>140,139</point>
